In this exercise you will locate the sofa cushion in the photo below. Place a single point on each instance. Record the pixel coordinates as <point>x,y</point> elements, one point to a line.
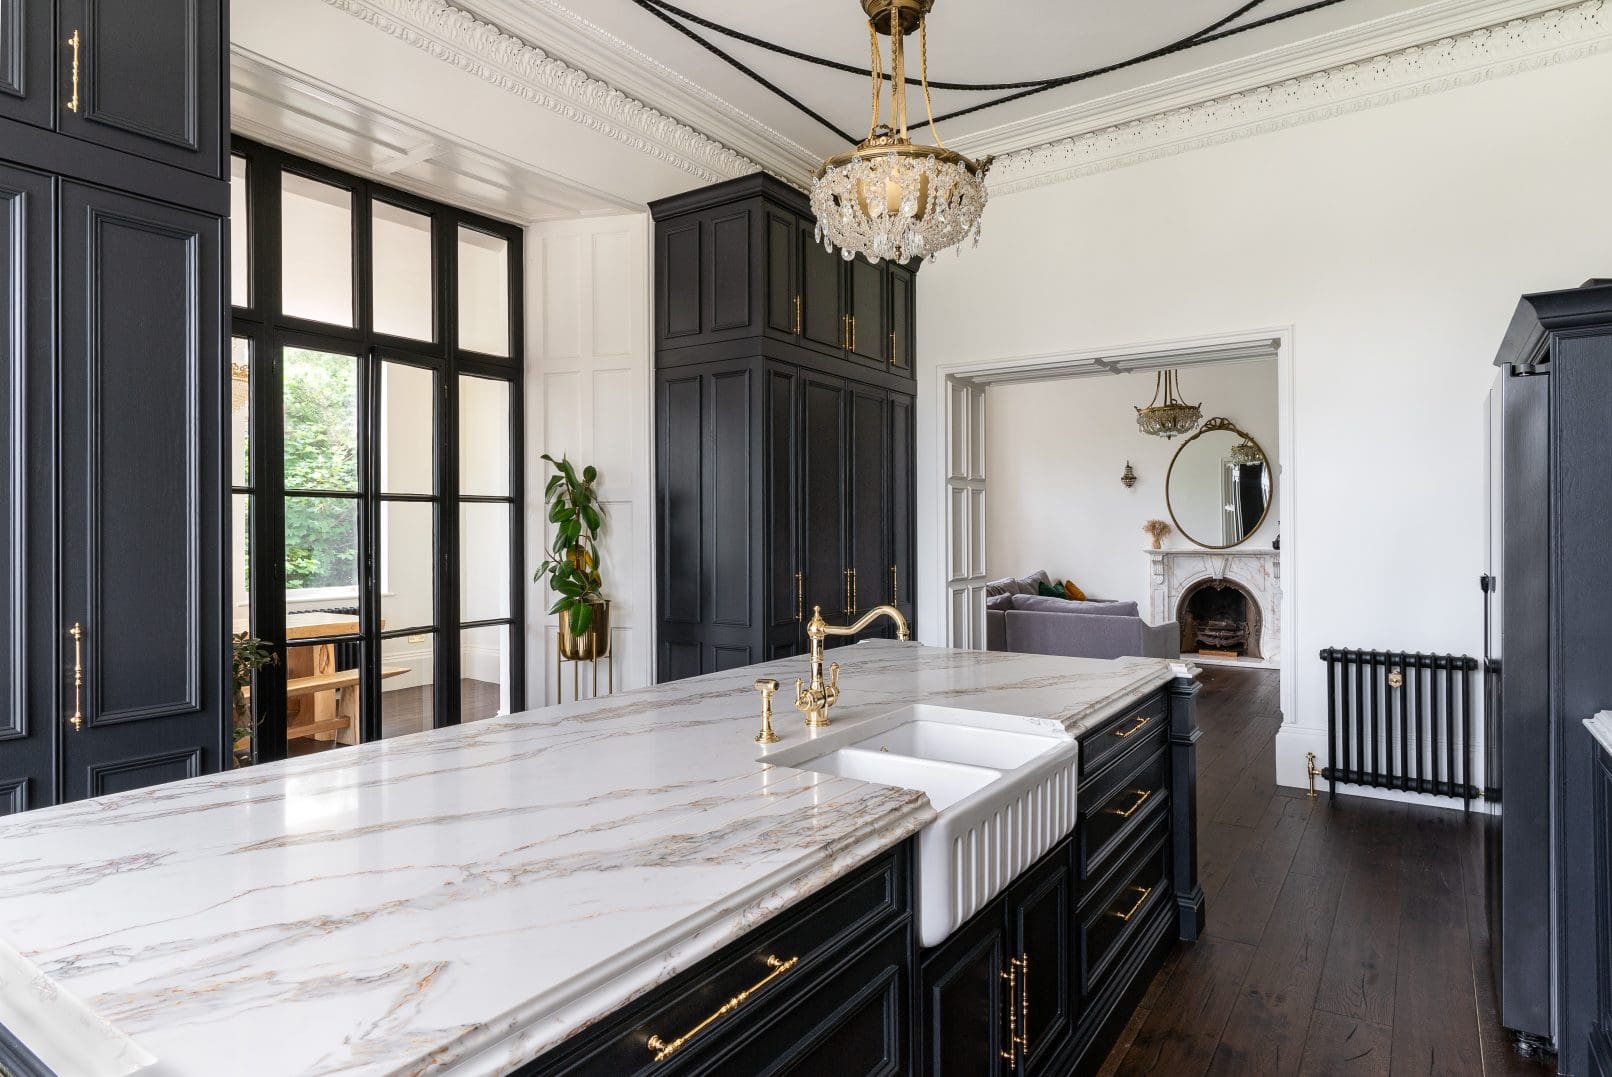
<point>1040,604</point>
<point>999,602</point>
<point>1023,585</point>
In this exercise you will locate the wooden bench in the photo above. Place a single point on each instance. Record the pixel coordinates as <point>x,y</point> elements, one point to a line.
<point>334,715</point>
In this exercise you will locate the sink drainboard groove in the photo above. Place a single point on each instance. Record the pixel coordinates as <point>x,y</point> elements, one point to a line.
<point>995,850</point>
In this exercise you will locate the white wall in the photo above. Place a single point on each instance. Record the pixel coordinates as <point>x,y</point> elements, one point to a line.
<point>1395,241</point>
<point>588,392</point>
<point>1054,454</point>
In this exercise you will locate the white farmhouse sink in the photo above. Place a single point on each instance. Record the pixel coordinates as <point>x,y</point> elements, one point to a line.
<point>1003,787</point>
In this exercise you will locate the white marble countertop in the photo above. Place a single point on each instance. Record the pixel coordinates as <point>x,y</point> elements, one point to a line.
<point>1601,729</point>
<point>464,899</point>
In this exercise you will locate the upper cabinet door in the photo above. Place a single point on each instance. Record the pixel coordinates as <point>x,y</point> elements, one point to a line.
<point>26,60</point>
<point>783,275</point>
<point>140,487</point>
<point>147,78</point>
<point>867,325</point>
<point>823,324</point>
<point>902,322</point>
<point>27,528</point>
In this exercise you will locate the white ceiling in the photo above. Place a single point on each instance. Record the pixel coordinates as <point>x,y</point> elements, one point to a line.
<point>970,40</point>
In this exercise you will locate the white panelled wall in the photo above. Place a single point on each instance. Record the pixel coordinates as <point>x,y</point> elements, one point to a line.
<point>588,390</point>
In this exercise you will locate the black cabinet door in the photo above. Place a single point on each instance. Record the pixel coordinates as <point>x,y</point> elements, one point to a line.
<point>900,512</point>
<point>149,78</point>
<point>141,571</point>
<point>866,303</point>
<point>786,575</point>
<point>823,494</point>
<point>902,320</point>
<point>822,301</point>
<point>1039,934</point>
<point>28,714</point>
<point>866,526</point>
<point>964,989</point>
<point>783,274</point>
<point>27,61</point>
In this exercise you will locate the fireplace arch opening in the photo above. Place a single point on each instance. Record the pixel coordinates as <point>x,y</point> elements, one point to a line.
<point>1221,617</point>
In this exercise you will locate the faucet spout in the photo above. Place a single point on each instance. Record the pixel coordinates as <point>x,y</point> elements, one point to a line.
<point>816,698</point>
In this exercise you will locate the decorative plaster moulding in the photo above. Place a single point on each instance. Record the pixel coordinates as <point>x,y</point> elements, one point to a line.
<point>1523,44</point>
<point>478,48</point>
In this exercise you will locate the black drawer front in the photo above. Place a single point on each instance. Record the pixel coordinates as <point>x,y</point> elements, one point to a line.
<point>854,1023</point>
<point>1142,724</point>
<point>1123,803</point>
<point>766,966</point>
<point>1120,905</point>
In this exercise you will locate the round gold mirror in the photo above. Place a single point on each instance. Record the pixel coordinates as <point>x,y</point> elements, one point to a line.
<point>1218,489</point>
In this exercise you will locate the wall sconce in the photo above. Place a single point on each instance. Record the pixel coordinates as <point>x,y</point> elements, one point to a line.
<point>1128,477</point>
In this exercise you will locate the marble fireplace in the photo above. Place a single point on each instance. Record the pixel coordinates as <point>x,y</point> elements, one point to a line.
<point>1214,590</point>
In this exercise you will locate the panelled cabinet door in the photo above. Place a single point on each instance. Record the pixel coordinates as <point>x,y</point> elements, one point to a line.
<point>141,570</point>
<point>148,78</point>
<point>964,1005</point>
<point>822,302</point>
<point>27,61</point>
<point>823,495</point>
<point>1039,914</point>
<point>786,573</point>
<point>865,464</point>
<point>28,714</point>
<point>902,320</point>
<point>865,288</point>
<point>783,237</point>
<point>899,516</point>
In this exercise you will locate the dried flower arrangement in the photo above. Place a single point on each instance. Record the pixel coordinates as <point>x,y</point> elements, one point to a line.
<point>1157,529</point>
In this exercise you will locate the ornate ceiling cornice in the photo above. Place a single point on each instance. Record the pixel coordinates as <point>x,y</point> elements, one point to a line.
<point>480,49</point>
<point>1523,44</point>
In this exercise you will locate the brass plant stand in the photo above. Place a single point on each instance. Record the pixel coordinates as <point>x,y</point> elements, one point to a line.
<point>560,662</point>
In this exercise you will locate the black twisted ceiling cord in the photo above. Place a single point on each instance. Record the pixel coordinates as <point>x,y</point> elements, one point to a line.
<point>1213,32</point>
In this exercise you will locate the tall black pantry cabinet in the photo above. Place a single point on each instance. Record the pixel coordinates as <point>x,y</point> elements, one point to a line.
<point>113,198</point>
<point>784,428</point>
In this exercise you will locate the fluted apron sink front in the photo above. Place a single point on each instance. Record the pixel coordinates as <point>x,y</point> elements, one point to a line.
<point>1003,787</point>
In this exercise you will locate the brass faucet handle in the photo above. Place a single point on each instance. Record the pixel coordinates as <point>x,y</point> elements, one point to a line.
<point>767,686</point>
<point>834,677</point>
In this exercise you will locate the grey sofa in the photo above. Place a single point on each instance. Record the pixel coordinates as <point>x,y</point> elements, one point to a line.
<point>1018,619</point>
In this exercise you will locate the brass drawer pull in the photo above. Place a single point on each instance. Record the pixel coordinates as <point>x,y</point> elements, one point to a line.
<point>1011,1052</point>
<point>1141,796</point>
<point>1140,720</point>
<point>77,632</point>
<point>74,41</point>
<point>895,587</point>
<point>892,347</point>
<point>797,315</point>
<point>1142,894</point>
<point>800,597</point>
<point>664,1050</point>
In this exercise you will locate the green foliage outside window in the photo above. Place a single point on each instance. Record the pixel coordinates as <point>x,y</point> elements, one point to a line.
<point>321,453</point>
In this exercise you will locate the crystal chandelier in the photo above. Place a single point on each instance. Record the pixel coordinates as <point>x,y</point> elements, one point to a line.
<point>1167,414</point>
<point>1245,453</point>
<point>891,197</point>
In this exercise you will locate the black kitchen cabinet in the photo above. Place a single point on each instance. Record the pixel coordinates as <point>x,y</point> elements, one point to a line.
<point>903,320</point>
<point>27,61</point>
<point>1038,907</point>
<point>964,990</point>
<point>1600,1053</point>
<point>141,307</point>
<point>785,469</point>
<point>114,638</point>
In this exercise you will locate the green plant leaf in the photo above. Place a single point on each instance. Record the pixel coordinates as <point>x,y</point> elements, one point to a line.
<point>590,473</point>
<point>561,604</point>
<point>556,510</point>
<point>581,618</point>
<point>590,516</point>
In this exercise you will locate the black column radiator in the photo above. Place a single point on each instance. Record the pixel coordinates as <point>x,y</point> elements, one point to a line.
<point>1400,721</point>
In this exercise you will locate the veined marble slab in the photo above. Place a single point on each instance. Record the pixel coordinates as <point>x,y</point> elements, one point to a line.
<point>1601,729</point>
<point>464,899</point>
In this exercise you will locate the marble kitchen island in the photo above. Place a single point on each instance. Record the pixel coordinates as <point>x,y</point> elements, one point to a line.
<point>463,900</point>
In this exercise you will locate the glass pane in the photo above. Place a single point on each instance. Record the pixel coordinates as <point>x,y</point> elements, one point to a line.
<point>321,421</point>
<point>408,429</point>
<point>483,672</point>
<point>483,561</point>
<point>316,250</point>
<point>483,437</point>
<point>407,556</point>
<point>483,292</point>
<point>244,751</point>
<point>408,694</point>
<point>240,410</point>
<point>321,546</point>
<point>400,242</point>
<point>240,236</point>
<point>322,689</point>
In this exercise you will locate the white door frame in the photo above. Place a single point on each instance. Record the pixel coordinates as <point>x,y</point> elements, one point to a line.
<point>975,376</point>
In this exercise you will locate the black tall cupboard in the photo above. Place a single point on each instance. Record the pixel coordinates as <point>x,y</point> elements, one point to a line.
<point>784,428</point>
<point>1548,637</point>
<point>114,666</point>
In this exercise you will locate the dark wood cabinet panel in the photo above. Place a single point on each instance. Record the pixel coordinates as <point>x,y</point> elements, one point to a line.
<point>823,494</point>
<point>783,274</point>
<point>729,271</point>
<point>867,525</point>
<point>903,320</point>
<point>141,351</point>
<point>786,597</point>
<point>901,503</point>
<point>27,61</point>
<point>732,463</point>
<point>679,424</point>
<point>865,291</point>
<point>964,992</point>
<point>678,273</point>
<point>28,710</point>
<point>150,79</point>
<point>822,300</point>
<point>1039,906</point>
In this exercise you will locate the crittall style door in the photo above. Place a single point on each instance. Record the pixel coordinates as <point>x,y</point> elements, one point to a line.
<point>142,670</point>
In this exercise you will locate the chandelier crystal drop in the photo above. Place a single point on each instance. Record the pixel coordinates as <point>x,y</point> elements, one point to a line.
<point>891,197</point>
<point>1167,414</point>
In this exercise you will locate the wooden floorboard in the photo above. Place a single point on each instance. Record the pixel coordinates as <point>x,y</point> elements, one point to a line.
<point>1345,936</point>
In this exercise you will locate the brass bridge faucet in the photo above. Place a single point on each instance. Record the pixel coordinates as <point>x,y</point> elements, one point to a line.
<point>815,699</point>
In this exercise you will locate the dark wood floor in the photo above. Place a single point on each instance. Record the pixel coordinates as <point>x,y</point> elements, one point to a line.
<point>408,710</point>
<point>1344,937</point>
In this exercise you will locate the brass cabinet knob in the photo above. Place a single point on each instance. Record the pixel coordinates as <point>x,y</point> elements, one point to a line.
<point>766,686</point>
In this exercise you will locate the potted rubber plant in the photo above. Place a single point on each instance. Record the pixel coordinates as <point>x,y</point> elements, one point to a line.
<point>250,655</point>
<point>572,567</point>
